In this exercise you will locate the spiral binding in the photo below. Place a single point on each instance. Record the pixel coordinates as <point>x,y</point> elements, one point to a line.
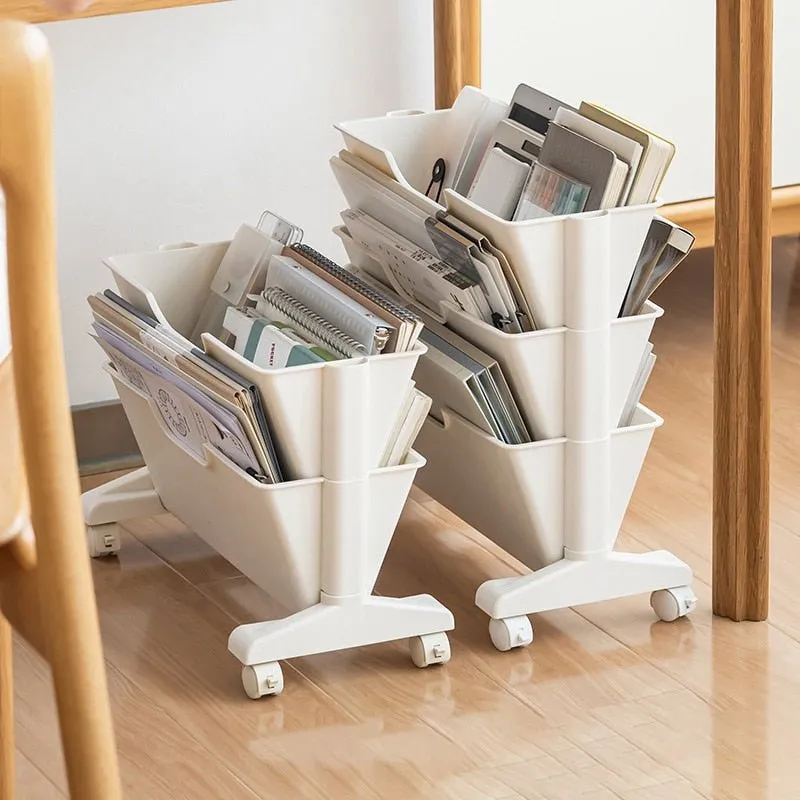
<point>354,282</point>
<point>301,315</point>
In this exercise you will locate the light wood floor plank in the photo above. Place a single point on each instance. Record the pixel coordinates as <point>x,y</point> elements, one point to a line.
<point>35,783</point>
<point>157,755</point>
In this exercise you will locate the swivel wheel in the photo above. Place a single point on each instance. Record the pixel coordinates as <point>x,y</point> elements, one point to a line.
<point>103,540</point>
<point>671,604</point>
<point>506,634</point>
<point>260,680</point>
<point>433,648</point>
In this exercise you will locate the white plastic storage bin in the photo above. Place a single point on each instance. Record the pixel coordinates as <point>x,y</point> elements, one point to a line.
<point>315,542</point>
<point>556,504</point>
<point>174,284</point>
<point>543,252</point>
<point>270,532</point>
<point>514,494</point>
<point>534,363</point>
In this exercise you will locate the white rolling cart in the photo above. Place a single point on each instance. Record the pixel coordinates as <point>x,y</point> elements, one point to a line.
<point>558,503</point>
<point>315,543</point>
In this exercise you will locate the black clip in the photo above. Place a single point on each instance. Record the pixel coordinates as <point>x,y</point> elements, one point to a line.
<point>437,177</point>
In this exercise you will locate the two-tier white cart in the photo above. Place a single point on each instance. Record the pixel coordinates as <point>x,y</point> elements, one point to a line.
<point>315,543</point>
<point>558,503</point>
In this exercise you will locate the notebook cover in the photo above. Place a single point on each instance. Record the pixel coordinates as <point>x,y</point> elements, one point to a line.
<point>581,159</point>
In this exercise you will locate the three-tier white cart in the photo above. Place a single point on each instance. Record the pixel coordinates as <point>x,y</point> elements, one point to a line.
<point>558,503</point>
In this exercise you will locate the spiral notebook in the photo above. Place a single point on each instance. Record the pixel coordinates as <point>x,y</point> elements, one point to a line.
<point>279,306</point>
<point>407,325</point>
<point>341,310</point>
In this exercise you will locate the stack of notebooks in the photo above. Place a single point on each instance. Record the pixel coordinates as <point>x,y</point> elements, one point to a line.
<point>279,304</point>
<point>547,158</point>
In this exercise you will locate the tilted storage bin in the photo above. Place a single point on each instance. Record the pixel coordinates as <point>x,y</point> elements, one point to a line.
<point>174,283</point>
<point>406,147</point>
<point>534,363</point>
<point>526,515</point>
<point>275,535</point>
<point>314,542</point>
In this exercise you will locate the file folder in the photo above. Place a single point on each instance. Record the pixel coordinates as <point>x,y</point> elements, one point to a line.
<point>461,377</point>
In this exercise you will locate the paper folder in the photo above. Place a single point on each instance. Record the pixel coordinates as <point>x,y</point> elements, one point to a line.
<point>464,379</point>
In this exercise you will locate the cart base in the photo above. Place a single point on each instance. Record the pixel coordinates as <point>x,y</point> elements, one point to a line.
<point>127,497</point>
<point>333,624</point>
<point>569,583</point>
<point>325,627</point>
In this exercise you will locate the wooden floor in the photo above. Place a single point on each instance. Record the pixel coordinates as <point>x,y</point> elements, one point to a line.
<point>606,704</point>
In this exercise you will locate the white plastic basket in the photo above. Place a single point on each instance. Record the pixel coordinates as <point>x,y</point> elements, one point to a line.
<point>534,363</point>
<point>175,283</point>
<point>271,533</point>
<point>556,504</point>
<point>539,250</point>
<point>514,494</point>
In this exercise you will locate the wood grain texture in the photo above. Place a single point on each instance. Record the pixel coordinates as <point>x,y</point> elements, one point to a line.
<point>38,11</point>
<point>471,42</point>
<point>7,749</point>
<point>13,497</point>
<point>447,51</point>
<point>62,574</point>
<point>698,215</point>
<point>457,47</point>
<point>742,309</point>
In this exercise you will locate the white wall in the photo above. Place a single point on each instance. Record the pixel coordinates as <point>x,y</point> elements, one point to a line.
<point>181,124</point>
<point>651,61</point>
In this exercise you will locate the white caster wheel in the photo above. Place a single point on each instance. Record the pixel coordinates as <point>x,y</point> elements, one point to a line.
<point>433,648</point>
<point>506,634</point>
<point>260,680</point>
<point>103,540</point>
<point>671,604</point>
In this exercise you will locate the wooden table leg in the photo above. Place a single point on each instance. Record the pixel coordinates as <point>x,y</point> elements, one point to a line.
<point>447,53</point>
<point>457,47</point>
<point>471,43</point>
<point>742,275</point>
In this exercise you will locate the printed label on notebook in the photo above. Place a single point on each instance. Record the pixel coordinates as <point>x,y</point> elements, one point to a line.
<point>267,344</point>
<point>269,347</point>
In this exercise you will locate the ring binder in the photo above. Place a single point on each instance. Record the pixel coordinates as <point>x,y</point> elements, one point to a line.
<point>294,312</point>
<point>341,310</point>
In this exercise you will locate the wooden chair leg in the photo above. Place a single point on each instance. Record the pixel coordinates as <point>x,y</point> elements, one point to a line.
<point>63,573</point>
<point>6,713</point>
